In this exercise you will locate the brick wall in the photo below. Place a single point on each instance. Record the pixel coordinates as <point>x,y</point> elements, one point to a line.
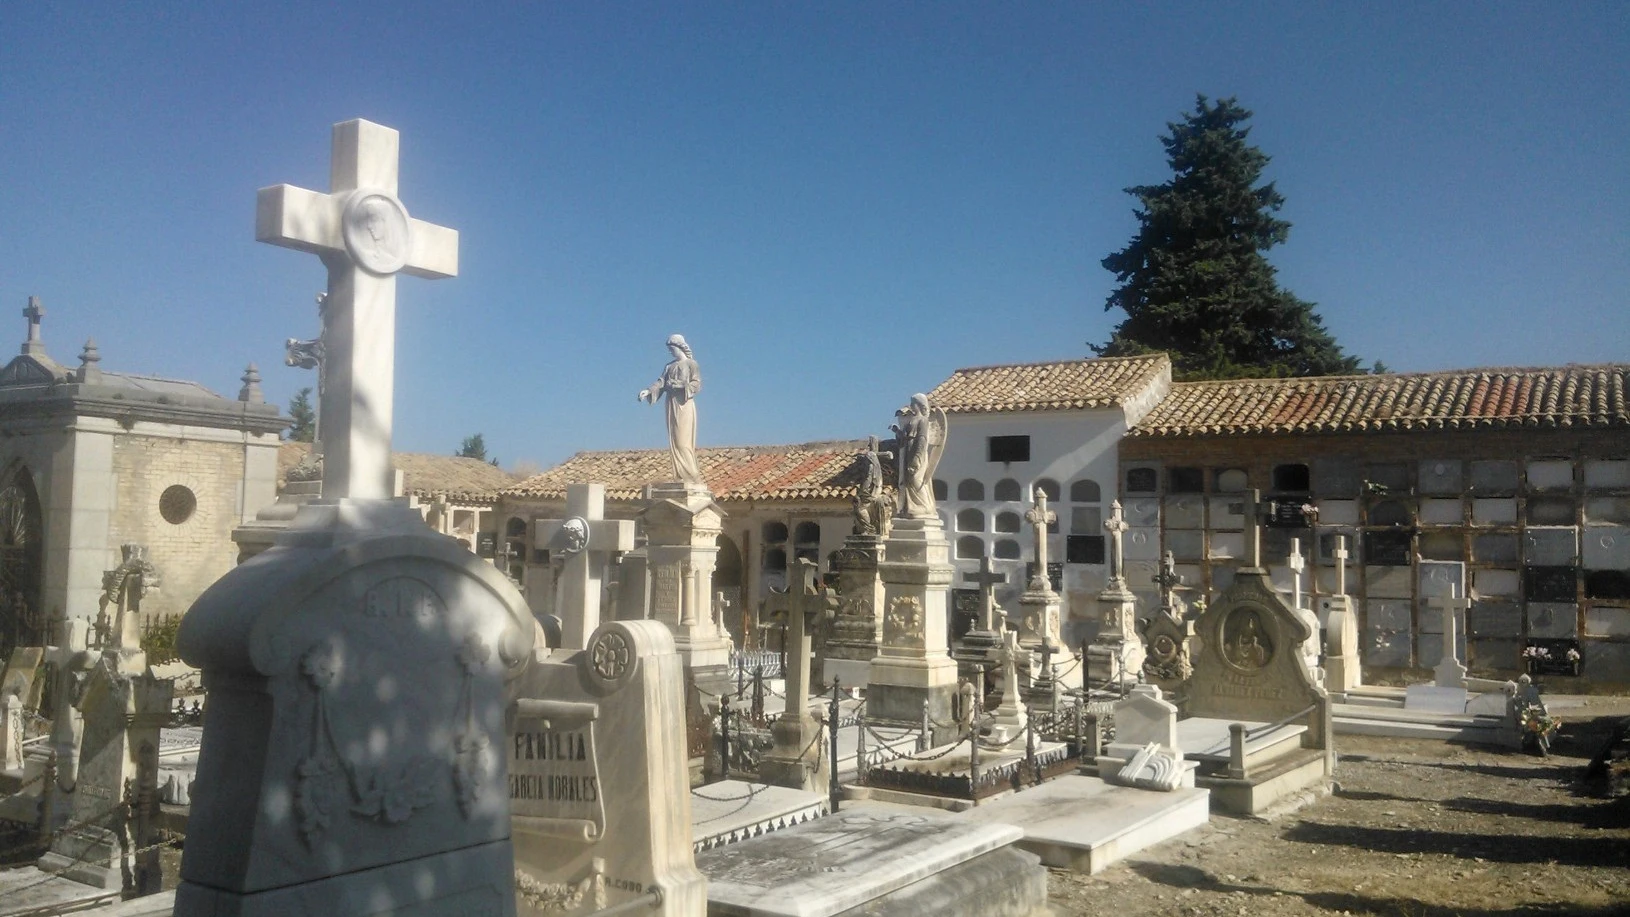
<point>196,550</point>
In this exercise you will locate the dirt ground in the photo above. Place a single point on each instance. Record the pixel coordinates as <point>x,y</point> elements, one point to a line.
<point>1416,828</point>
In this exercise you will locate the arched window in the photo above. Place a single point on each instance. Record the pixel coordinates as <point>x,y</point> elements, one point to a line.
<point>1007,549</point>
<point>969,489</point>
<point>1050,487</point>
<point>941,491</point>
<point>515,528</point>
<point>775,532</point>
<point>807,533</point>
<point>970,547</point>
<point>1008,522</point>
<point>970,520</point>
<point>1085,491</point>
<point>775,560</point>
<point>1008,490</point>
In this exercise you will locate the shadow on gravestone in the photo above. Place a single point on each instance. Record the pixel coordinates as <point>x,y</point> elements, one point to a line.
<point>353,747</point>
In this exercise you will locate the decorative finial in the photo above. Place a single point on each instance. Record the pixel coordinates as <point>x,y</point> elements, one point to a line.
<point>251,386</point>
<point>33,312</point>
<point>88,358</point>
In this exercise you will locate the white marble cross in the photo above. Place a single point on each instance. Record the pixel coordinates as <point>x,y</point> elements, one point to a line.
<point>1450,672</point>
<point>1340,554</point>
<point>1116,526</point>
<point>1297,564</point>
<point>799,603</point>
<point>1040,517</point>
<point>365,237</point>
<point>585,540</point>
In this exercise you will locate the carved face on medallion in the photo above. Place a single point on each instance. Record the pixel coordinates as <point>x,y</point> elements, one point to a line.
<point>375,228</point>
<point>1245,641</point>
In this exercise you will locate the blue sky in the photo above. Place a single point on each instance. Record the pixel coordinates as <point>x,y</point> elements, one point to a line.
<point>838,204</point>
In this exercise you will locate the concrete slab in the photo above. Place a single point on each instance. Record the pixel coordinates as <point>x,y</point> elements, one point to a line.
<point>1084,824</point>
<point>1435,699</point>
<point>734,810</point>
<point>837,864</point>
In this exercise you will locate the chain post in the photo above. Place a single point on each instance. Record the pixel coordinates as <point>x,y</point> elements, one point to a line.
<point>923,742</point>
<point>837,791</point>
<point>973,761</point>
<point>724,732</point>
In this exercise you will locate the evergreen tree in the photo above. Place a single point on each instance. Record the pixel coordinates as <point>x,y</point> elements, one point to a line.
<point>1194,279</point>
<point>304,428</point>
<point>474,447</point>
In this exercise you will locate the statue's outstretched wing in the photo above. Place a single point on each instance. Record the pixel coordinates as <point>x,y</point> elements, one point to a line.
<point>938,429</point>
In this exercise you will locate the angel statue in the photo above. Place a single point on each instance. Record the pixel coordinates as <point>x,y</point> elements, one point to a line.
<point>919,431</point>
<point>681,380</point>
<point>873,506</point>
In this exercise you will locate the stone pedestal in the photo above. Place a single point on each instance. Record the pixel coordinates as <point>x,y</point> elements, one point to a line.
<point>857,631</point>
<point>353,755</point>
<point>912,665</point>
<point>1342,672</point>
<point>682,525</point>
<point>1116,655</point>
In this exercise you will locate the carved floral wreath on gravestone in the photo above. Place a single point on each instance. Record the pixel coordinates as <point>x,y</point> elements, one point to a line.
<point>386,793</point>
<point>903,623</point>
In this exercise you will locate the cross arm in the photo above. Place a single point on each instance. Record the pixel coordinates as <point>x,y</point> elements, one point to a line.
<point>296,218</point>
<point>434,252</point>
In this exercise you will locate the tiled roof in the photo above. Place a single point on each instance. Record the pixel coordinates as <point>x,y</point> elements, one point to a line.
<point>810,471</point>
<point>1465,399</point>
<point>1071,384</point>
<point>463,480</point>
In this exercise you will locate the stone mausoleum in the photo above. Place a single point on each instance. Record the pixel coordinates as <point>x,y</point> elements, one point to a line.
<point>91,459</point>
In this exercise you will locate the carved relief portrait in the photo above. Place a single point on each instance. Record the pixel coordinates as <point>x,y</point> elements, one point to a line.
<point>1245,641</point>
<point>375,227</point>
<point>902,625</point>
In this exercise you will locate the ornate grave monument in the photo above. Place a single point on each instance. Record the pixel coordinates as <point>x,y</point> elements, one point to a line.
<point>1168,634</point>
<point>912,666</point>
<point>1116,654</point>
<point>798,759</point>
<point>598,790</point>
<point>981,646</point>
<point>1257,723</point>
<point>857,630</point>
<point>353,757</point>
<point>123,708</point>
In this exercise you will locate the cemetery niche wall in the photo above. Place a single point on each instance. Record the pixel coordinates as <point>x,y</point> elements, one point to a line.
<point>1521,474</point>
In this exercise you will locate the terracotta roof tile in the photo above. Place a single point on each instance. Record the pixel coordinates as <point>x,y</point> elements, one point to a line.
<point>463,480</point>
<point>825,470</point>
<point>1071,384</point>
<point>1462,399</point>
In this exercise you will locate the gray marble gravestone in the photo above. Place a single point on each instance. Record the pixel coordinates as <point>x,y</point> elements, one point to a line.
<point>352,758</point>
<point>598,787</point>
<point>1259,724</point>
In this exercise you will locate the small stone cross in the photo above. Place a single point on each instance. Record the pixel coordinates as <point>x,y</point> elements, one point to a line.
<point>987,580</point>
<point>798,604</point>
<point>1116,526</point>
<point>1340,554</point>
<point>584,540</point>
<point>1450,672</point>
<point>1297,564</point>
<point>365,238</point>
<point>1251,509</point>
<point>33,312</point>
<point>1040,517</point>
<point>1167,581</point>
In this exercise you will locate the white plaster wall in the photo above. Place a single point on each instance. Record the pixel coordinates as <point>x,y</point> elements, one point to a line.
<point>1065,446</point>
